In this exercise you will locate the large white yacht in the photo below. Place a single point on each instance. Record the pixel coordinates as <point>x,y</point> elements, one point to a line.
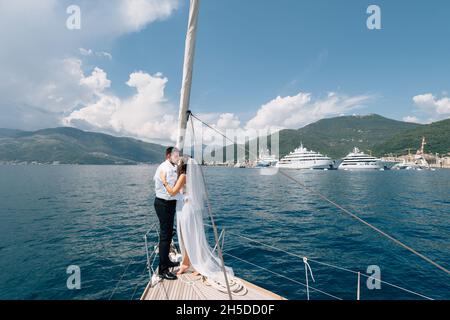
<point>358,160</point>
<point>302,158</point>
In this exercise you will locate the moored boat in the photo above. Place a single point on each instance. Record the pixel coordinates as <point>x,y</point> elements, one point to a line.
<point>357,160</point>
<point>302,158</point>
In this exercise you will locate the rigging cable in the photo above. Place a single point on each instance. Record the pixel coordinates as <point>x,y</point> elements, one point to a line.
<point>283,276</point>
<point>328,265</point>
<point>325,198</point>
<point>211,216</point>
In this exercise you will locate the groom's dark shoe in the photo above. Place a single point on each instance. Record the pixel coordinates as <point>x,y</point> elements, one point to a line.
<point>167,275</point>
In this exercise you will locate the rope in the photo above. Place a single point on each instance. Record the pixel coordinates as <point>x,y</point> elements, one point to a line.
<point>307,267</point>
<point>189,282</point>
<point>366,276</point>
<point>137,284</point>
<point>120,280</point>
<point>330,265</point>
<point>325,198</point>
<point>283,276</point>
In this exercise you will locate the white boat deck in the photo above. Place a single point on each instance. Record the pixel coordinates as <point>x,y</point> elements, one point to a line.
<point>189,287</point>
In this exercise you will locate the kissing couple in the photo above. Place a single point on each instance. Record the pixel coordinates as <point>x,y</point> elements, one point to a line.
<point>180,191</point>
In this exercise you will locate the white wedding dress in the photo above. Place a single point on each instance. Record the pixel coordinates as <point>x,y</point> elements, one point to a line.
<point>191,231</point>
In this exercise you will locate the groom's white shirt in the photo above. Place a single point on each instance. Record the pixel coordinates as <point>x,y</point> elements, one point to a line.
<point>171,177</point>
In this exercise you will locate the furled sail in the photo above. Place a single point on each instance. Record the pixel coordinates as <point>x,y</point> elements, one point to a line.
<point>188,69</point>
<point>187,72</point>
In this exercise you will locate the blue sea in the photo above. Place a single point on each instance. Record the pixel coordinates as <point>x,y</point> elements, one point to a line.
<point>95,217</point>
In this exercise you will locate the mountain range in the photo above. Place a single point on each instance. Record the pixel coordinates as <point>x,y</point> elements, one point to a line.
<point>73,146</point>
<point>334,137</point>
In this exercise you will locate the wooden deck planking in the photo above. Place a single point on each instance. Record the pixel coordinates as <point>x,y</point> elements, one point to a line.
<point>188,287</point>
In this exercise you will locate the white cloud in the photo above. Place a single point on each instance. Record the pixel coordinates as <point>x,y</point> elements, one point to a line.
<point>411,119</point>
<point>42,83</point>
<point>104,54</point>
<point>280,113</point>
<point>135,14</point>
<point>99,54</point>
<point>40,74</point>
<point>228,121</point>
<point>149,116</point>
<point>86,52</point>
<point>146,115</point>
<point>434,108</point>
<point>297,111</point>
<point>97,82</point>
<point>112,18</point>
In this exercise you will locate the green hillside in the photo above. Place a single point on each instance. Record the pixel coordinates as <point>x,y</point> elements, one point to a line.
<point>437,136</point>
<point>73,146</point>
<point>334,137</point>
<point>375,134</point>
<point>337,136</point>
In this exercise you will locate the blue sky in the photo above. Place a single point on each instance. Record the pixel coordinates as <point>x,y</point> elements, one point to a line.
<point>250,52</point>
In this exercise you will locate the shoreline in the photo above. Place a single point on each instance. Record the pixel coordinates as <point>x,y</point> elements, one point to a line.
<point>155,164</point>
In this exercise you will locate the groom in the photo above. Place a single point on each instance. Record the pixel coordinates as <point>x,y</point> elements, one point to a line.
<point>165,206</point>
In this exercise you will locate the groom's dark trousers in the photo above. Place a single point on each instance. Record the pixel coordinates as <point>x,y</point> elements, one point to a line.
<point>166,214</point>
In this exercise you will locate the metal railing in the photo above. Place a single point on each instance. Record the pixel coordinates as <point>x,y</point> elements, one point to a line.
<point>151,258</point>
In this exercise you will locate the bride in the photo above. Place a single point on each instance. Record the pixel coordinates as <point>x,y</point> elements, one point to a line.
<point>194,245</point>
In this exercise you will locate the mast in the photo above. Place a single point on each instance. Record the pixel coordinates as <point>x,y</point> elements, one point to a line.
<point>188,69</point>
<point>187,72</point>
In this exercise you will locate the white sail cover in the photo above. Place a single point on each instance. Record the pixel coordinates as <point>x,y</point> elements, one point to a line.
<point>187,71</point>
